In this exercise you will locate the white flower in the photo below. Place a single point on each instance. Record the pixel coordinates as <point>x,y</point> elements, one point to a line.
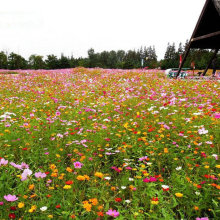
<point>178,168</point>
<point>44,208</point>
<point>165,187</point>
<point>131,179</point>
<point>123,187</point>
<point>107,178</point>
<point>215,156</point>
<point>202,131</point>
<point>128,201</point>
<point>197,193</point>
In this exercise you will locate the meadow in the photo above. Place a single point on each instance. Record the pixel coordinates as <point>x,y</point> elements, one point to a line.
<point>108,144</point>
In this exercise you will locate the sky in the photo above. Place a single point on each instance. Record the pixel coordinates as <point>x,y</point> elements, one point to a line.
<point>72,27</point>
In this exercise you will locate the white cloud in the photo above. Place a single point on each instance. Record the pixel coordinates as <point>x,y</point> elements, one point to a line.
<point>73,26</point>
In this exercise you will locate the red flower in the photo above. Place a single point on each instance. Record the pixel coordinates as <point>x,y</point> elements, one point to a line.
<point>47,173</point>
<point>70,182</point>
<point>58,206</point>
<point>48,196</point>
<point>25,148</point>
<point>118,199</point>
<point>12,216</point>
<point>100,214</point>
<point>13,208</point>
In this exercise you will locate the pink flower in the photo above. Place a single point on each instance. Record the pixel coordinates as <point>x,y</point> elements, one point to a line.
<point>112,213</point>
<point>143,158</point>
<point>3,162</point>
<point>25,174</point>
<point>10,198</point>
<point>40,175</point>
<point>58,113</point>
<point>217,115</point>
<point>78,165</point>
<point>203,218</point>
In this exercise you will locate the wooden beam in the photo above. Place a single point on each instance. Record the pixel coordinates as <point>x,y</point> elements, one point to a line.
<point>210,62</point>
<point>193,34</point>
<point>184,59</point>
<point>206,36</point>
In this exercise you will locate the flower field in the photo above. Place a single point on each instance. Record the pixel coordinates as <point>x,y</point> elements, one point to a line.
<point>104,144</point>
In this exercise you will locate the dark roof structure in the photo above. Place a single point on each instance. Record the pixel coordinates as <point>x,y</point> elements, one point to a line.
<point>206,34</point>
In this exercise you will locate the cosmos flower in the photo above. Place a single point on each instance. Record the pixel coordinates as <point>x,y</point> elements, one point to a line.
<point>112,213</point>
<point>3,162</point>
<point>40,175</point>
<point>25,174</point>
<point>78,165</point>
<point>10,198</point>
<point>44,208</point>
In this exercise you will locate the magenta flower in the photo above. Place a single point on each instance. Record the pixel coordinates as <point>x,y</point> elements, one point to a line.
<point>203,218</point>
<point>78,165</point>
<point>10,198</point>
<point>112,213</point>
<point>217,115</point>
<point>143,158</point>
<point>149,180</point>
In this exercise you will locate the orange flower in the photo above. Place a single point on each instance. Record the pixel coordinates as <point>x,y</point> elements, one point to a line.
<point>165,150</point>
<point>87,206</point>
<point>94,201</point>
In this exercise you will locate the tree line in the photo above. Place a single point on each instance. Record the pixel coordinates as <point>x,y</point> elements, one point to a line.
<point>131,59</point>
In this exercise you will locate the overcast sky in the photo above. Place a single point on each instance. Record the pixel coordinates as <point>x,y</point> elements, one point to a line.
<point>73,26</point>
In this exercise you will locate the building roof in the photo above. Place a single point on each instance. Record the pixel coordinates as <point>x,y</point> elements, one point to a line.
<point>207,31</point>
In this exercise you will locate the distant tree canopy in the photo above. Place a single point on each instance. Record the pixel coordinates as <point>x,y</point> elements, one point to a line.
<point>120,59</point>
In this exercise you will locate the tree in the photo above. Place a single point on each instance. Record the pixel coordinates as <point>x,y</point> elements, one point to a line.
<point>36,62</point>
<point>64,62</point>
<point>3,60</point>
<point>52,62</point>
<point>16,61</point>
<point>92,58</point>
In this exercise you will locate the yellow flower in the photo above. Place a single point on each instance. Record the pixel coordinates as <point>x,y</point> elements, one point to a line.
<point>217,166</point>
<point>113,188</point>
<point>52,166</point>
<point>67,187</point>
<point>32,209</point>
<point>98,174</point>
<point>179,195</point>
<point>86,177</point>
<point>50,216</point>
<point>80,177</point>
<point>20,205</point>
<point>154,202</point>
<point>68,169</point>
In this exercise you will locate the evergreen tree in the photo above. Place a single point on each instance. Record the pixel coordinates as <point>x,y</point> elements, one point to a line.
<point>3,60</point>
